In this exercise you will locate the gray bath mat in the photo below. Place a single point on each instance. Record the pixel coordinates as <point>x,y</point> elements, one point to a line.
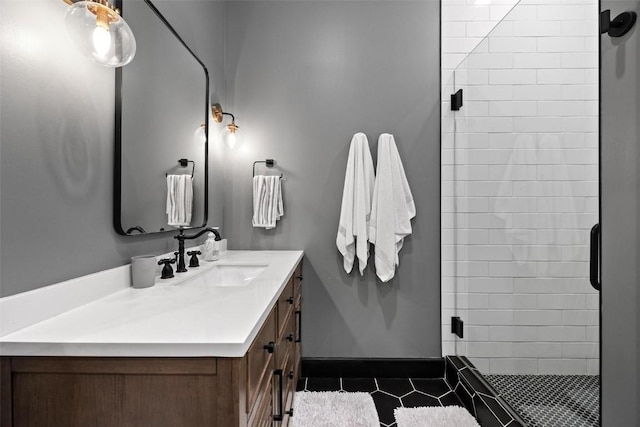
<point>434,416</point>
<point>334,409</point>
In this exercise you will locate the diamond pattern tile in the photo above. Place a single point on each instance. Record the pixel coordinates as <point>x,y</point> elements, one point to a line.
<point>552,400</point>
<point>388,393</point>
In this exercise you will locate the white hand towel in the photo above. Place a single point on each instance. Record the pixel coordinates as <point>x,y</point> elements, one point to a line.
<point>353,231</point>
<point>267,201</point>
<point>258,197</point>
<point>392,208</point>
<point>179,200</point>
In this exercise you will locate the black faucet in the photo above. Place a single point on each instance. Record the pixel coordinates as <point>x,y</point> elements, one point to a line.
<point>182,237</point>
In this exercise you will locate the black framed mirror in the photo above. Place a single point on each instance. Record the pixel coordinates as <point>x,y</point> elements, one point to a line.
<point>162,123</point>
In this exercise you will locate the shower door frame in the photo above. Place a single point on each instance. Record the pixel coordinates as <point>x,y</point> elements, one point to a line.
<point>620,225</point>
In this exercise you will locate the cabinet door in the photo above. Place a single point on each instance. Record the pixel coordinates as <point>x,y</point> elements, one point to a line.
<point>284,388</point>
<point>297,348</point>
<point>259,359</point>
<point>262,415</point>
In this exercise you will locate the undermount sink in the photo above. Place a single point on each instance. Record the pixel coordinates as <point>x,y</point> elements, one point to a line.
<point>233,275</point>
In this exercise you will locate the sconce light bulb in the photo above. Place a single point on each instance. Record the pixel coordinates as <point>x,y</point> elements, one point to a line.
<point>101,40</point>
<point>231,140</point>
<point>200,135</point>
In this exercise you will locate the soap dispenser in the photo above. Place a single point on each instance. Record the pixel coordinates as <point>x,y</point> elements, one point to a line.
<point>211,249</point>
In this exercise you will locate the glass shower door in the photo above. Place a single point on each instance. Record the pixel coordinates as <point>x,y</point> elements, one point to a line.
<point>524,191</point>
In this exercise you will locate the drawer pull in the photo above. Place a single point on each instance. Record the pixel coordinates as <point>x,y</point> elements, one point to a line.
<point>290,337</point>
<point>299,316</point>
<point>290,412</point>
<point>280,415</point>
<point>290,300</point>
<point>270,347</point>
<point>290,376</point>
<point>299,277</point>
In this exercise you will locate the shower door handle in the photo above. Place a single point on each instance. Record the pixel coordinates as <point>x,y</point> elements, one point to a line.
<point>594,258</point>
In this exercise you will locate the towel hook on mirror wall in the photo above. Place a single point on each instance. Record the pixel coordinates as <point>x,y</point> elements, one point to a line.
<point>184,163</point>
<point>268,163</point>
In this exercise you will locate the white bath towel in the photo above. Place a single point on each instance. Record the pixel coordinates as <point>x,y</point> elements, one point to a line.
<point>392,208</point>
<point>179,200</point>
<point>267,201</point>
<point>353,231</point>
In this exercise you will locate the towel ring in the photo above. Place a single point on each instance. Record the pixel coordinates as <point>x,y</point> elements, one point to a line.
<point>184,163</point>
<point>268,163</point>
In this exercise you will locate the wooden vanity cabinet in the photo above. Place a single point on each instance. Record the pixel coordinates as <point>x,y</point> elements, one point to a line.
<point>253,391</point>
<point>288,349</point>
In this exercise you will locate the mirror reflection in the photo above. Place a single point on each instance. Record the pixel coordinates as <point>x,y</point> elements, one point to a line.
<point>161,128</point>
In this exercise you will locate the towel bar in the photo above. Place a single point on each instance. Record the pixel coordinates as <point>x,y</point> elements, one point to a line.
<point>268,162</point>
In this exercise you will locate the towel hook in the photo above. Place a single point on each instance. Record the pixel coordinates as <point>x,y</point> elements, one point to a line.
<point>184,163</point>
<point>268,163</point>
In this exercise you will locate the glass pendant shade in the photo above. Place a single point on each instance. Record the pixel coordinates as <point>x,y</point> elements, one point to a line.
<point>100,33</point>
<point>199,135</point>
<point>232,136</point>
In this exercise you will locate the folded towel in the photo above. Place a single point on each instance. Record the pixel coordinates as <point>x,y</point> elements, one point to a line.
<point>392,208</point>
<point>267,201</point>
<point>179,200</point>
<point>353,231</point>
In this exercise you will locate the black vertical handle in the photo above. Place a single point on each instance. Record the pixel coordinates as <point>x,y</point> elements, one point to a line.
<point>280,415</point>
<point>594,258</point>
<point>299,317</point>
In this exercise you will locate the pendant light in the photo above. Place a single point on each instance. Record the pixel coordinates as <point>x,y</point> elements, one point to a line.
<point>97,30</point>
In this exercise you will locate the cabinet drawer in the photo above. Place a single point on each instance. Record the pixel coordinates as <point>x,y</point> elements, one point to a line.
<point>297,344</point>
<point>290,380</point>
<point>285,305</point>
<point>297,277</point>
<point>286,341</point>
<point>289,389</point>
<point>260,358</point>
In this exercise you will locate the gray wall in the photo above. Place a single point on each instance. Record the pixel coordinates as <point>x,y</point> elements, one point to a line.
<point>620,215</point>
<point>56,145</point>
<point>302,78</point>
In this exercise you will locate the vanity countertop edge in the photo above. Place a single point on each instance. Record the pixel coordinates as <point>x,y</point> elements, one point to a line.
<point>188,319</point>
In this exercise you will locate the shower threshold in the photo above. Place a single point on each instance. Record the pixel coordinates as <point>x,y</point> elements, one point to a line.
<point>551,400</point>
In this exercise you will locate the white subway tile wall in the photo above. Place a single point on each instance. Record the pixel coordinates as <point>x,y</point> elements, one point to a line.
<point>520,183</point>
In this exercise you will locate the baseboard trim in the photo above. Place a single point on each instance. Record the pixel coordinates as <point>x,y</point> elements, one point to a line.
<point>373,368</point>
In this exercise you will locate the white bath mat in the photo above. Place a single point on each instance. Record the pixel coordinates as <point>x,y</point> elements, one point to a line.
<point>434,416</point>
<point>334,409</point>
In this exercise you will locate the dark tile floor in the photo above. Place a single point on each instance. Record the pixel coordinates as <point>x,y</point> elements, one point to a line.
<point>389,393</point>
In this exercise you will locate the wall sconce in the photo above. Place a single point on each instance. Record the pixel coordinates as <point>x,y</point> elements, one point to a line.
<point>231,135</point>
<point>97,30</point>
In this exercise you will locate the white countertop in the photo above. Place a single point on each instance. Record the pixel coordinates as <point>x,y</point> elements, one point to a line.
<point>182,317</point>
